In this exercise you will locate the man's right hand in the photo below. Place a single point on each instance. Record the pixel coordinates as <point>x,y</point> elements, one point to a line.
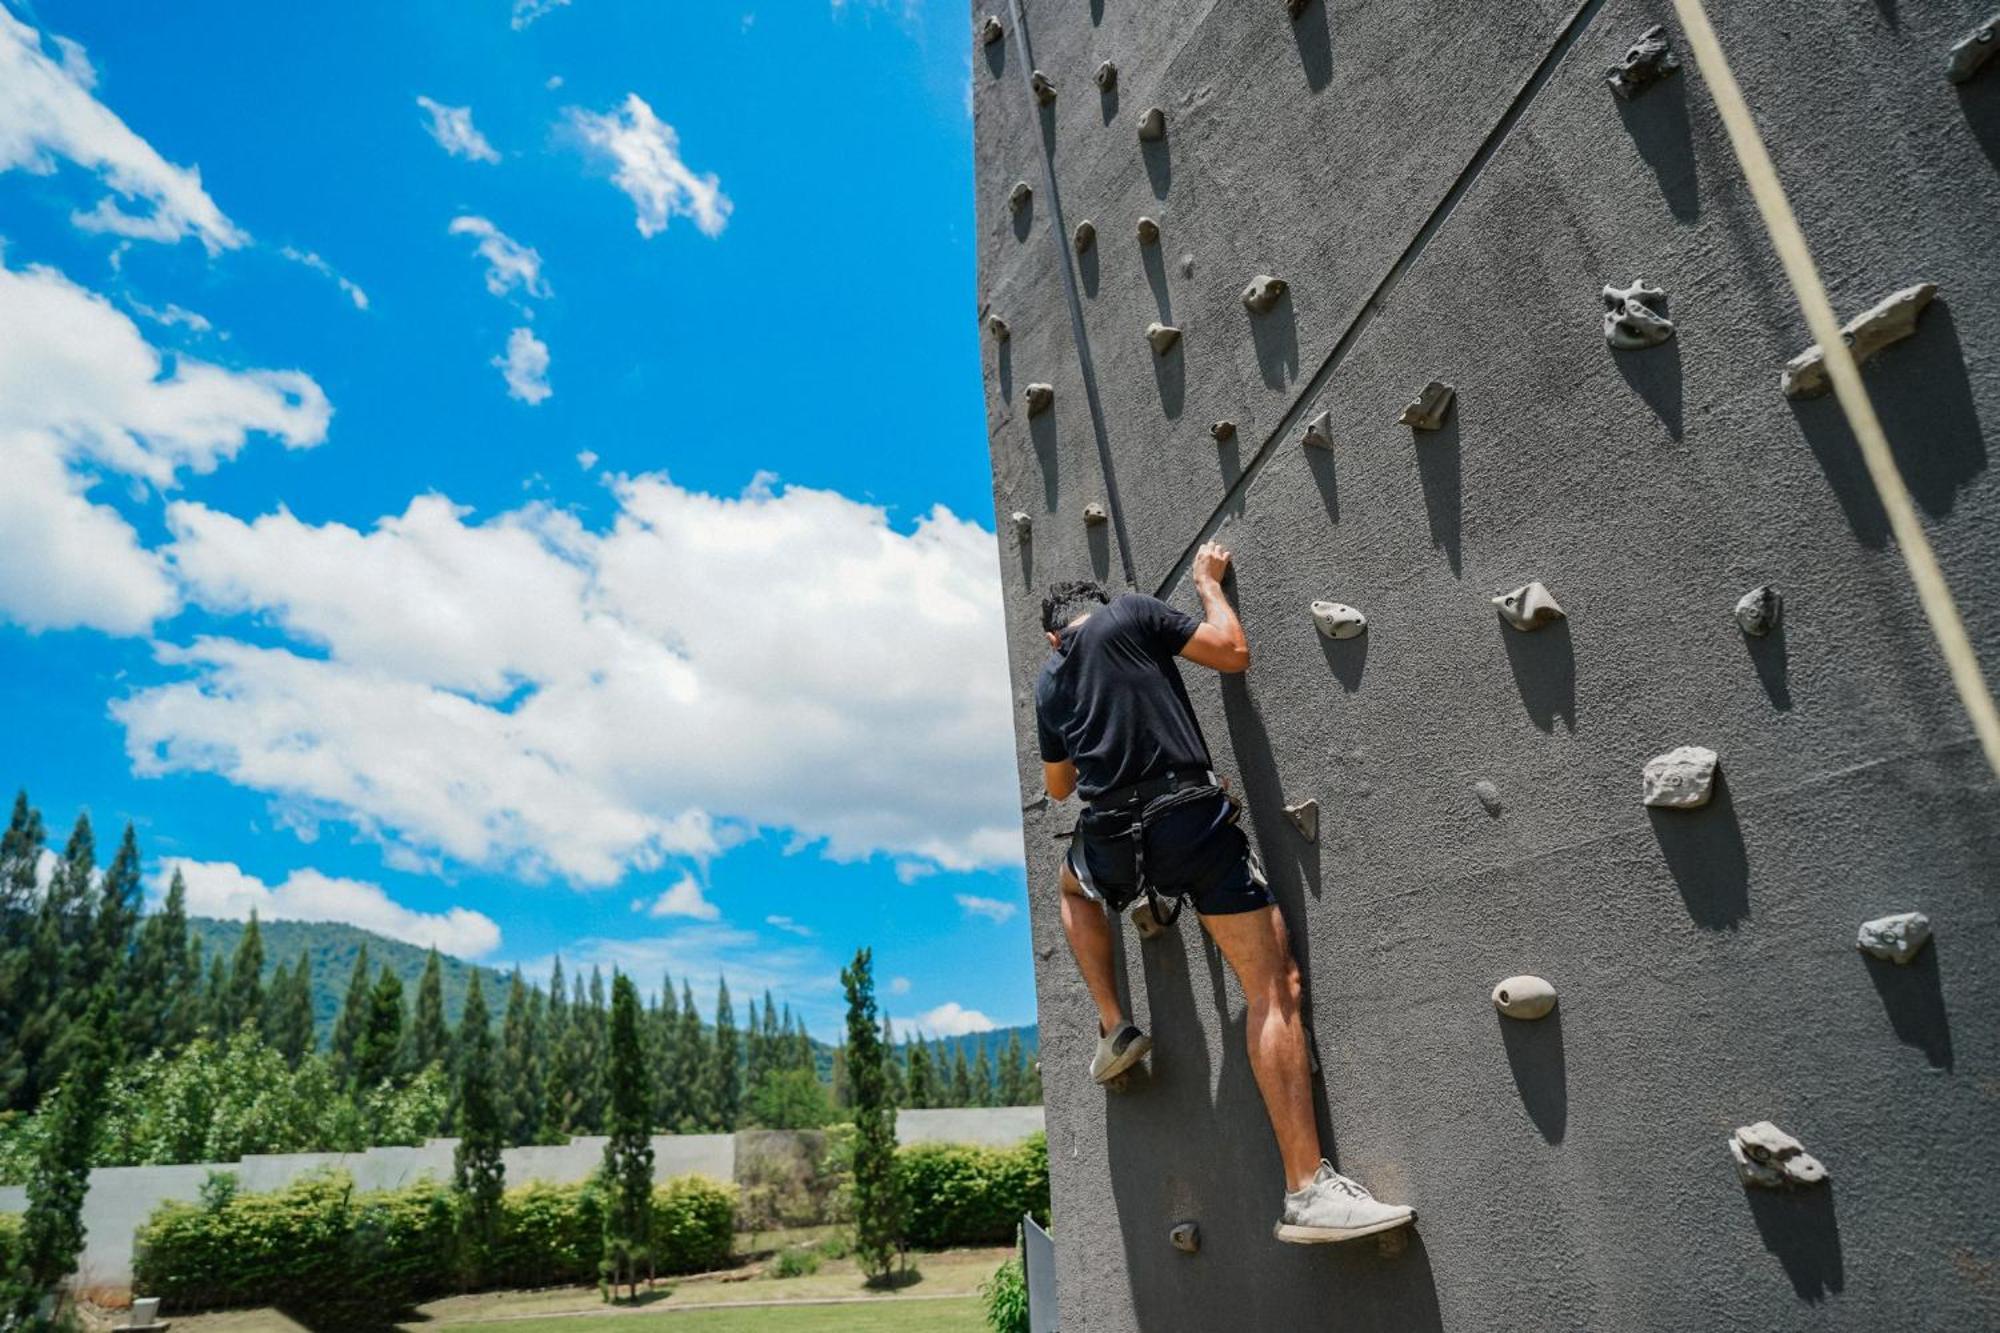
<point>1211,562</point>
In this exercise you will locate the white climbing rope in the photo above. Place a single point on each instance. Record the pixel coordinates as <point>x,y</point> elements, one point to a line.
<point>1790,243</point>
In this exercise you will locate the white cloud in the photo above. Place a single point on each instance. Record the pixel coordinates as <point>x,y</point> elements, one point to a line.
<point>789,926</point>
<point>527,11</point>
<point>47,112</point>
<point>991,908</point>
<point>553,82</point>
<point>649,168</point>
<point>312,261</point>
<point>586,459</point>
<point>950,1019</point>
<point>685,899</point>
<point>222,889</point>
<point>452,127</point>
<point>526,693</point>
<point>525,366</point>
<point>171,316</point>
<point>510,266</point>
<point>899,985</point>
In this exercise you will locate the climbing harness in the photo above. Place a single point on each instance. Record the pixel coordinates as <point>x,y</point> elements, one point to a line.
<point>1127,812</point>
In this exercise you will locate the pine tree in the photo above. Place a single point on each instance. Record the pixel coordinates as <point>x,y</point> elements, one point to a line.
<point>215,998</point>
<point>961,1076</point>
<point>52,1231</point>
<point>691,1069</point>
<point>899,1091</point>
<point>62,954</point>
<point>754,1049</point>
<point>590,1023</point>
<point>23,989</point>
<point>161,997</point>
<point>666,1041</point>
<point>877,1210</point>
<point>520,1091</point>
<point>288,1013</point>
<point>1013,1088</point>
<point>382,1034</point>
<point>558,1092</point>
<point>917,1071</point>
<point>429,1040</point>
<point>982,1078</point>
<point>353,1021</point>
<point>117,914</point>
<point>628,1156</point>
<point>728,1076</point>
<point>477,1172</point>
<point>245,1002</point>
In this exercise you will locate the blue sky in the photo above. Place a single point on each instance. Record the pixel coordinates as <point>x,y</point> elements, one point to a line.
<point>514,474</point>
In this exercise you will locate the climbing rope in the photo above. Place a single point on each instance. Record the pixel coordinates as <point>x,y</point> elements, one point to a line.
<point>1790,243</point>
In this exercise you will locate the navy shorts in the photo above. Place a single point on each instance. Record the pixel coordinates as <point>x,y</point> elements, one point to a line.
<point>1194,850</point>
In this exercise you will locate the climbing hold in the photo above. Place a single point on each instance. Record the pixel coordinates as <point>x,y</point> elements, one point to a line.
<point>1768,1157</point>
<point>1045,91</point>
<point>1153,125</point>
<point>1145,920</point>
<point>1432,402</point>
<point>1263,293</point>
<point>1319,431</point>
<point>1524,997</point>
<point>1636,316</point>
<point>998,328</point>
<point>1681,779</point>
<point>1107,77</point>
<point>1187,266</point>
<point>1023,525</point>
<point>1093,514</point>
<point>1897,938</point>
<point>1223,431</point>
<point>1881,325</point>
<point>1488,794</point>
<point>1528,607</point>
<point>1162,337</point>
<point>1186,1237</point>
<point>1337,620</point>
<point>1041,397</point>
<point>1084,236</point>
<point>1646,62</point>
<point>1305,818</point>
<point>991,30</point>
<point>1149,232</point>
<point>1019,197</point>
<point>1759,610</point>
<point>1969,56</point>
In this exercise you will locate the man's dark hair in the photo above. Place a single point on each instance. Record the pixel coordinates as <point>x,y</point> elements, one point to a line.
<point>1067,601</point>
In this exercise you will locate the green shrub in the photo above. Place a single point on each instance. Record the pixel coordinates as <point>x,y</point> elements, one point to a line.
<point>10,1242</point>
<point>1003,1298</point>
<point>548,1234</point>
<point>959,1194</point>
<point>797,1263</point>
<point>694,1220</point>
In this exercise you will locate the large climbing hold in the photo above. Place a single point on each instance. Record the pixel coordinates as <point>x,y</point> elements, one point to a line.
<point>991,30</point>
<point>1971,55</point>
<point>1759,610</point>
<point>1646,62</point>
<point>1769,1158</point>
<point>998,328</point>
<point>1185,1237</point>
<point>1319,432</point>
<point>1162,337</point>
<point>1427,412</point>
<point>1045,91</point>
<point>1337,620</point>
<point>1524,997</point>
<point>1263,294</point>
<point>1095,513</point>
<point>1145,920</point>
<point>1636,316</point>
<point>1020,196</point>
<point>1041,397</point>
<point>1528,607</point>
<point>1887,322</point>
<point>1153,125</point>
<point>1223,431</point>
<point>1898,938</point>
<point>1107,77</point>
<point>1024,525</point>
<point>1305,818</point>
<point>1084,236</point>
<point>1149,231</point>
<point>1680,779</point>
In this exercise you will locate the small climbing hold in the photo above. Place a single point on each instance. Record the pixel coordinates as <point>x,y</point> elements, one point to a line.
<point>1432,402</point>
<point>1094,513</point>
<point>1153,125</point>
<point>1187,266</point>
<point>1524,997</point>
<point>1881,325</point>
<point>1263,293</point>
<point>1635,316</point>
<point>1897,938</point>
<point>1186,1237</point>
<point>1488,794</point>
<point>1019,197</point>
<point>1971,54</point>
<point>1107,77</point>
<point>1045,91</point>
<point>1680,779</point>
<point>1084,236</point>
<point>1759,610</point>
<point>1305,818</point>
<point>1145,920</point>
<point>1041,397</point>
<point>1319,431</point>
<point>1223,431</point>
<point>1023,524</point>
<point>1528,607</point>
<point>991,30</point>
<point>1149,232</point>
<point>1646,62</point>
<point>1162,337</point>
<point>1337,620</point>
<point>998,328</point>
<point>1769,1158</point>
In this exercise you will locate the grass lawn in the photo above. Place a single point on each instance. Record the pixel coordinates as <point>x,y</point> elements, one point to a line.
<point>950,1315</point>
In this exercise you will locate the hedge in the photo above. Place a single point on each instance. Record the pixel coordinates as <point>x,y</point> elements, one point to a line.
<point>957,1194</point>
<point>10,1242</point>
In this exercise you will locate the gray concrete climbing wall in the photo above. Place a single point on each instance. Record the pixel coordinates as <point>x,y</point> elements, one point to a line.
<point>1446,186</point>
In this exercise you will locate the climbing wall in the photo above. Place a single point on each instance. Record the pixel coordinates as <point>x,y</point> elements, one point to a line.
<point>1446,189</point>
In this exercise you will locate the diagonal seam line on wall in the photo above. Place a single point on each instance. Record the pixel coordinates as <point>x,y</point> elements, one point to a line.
<point>1567,39</point>
<point>1085,366</point>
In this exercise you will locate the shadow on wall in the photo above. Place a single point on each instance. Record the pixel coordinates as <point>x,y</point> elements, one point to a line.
<point>1658,124</point>
<point>1799,1227</point>
<point>1768,656</point>
<point>1042,432</point>
<point>1544,665</point>
<point>1541,1075</point>
<point>1309,30</point>
<point>1914,998</point>
<point>1654,373</point>
<point>1704,851</point>
<point>1438,468</point>
<point>1980,100</point>
<point>1275,334</point>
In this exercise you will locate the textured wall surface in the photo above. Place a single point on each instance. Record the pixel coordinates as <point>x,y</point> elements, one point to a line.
<point>1446,185</point>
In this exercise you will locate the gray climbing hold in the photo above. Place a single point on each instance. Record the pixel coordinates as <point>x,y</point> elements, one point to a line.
<point>1337,620</point>
<point>1084,236</point>
<point>1187,266</point>
<point>1680,779</point>
<point>1023,524</point>
<point>1019,197</point>
<point>1635,316</point>
<point>1145,920</point>
<point>1223,431</point>
<point>1162,337</point>
<point>1646,62</point>
<point>1319,431</point>
<point>1153,125</point>
<point>1107,77</point>
<point>1488,794</point>
<point>1149,232</point>
<point>1769,1158</point>
<point>1045,91</point>
<point>1305,818</point>
<point>1759,610</point>
<point>1186,1237</point>
<point>1528,607</point>
<point>1524,997</point>
<point>1263,293</point>
<point>1094,513</point>
<point>1971,55</point>
<point>1041,397</point>
<point>991,30</point>
<point>998,328</point>
<point>1881,325</point>
<point>1897,938</point>
<point>1428,411</point>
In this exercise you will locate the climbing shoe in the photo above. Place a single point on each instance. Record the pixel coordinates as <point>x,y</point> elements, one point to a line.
<point>1332,1207</point>
<point>1119,1051</point>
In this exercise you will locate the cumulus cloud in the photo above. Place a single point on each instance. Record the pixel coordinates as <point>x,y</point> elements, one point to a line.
<point>48,112</point>
<point>648,168</point>
<point>586,459</point>
<point>223,889</point>
<point>789,926</point>
<point>510,266</point>
<point>527,11</point>
<point>525,366</point>
<point>454,131</point>
<point>950,1019</point>
<point>525,692</point>
<point>685,899</point>
<point>992,909</point>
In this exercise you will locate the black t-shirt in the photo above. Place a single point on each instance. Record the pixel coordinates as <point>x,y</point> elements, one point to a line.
<point>1111,698</point>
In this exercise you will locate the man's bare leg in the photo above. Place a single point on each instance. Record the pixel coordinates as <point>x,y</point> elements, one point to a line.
<point>1089,934</point>
<point>1259,952</point>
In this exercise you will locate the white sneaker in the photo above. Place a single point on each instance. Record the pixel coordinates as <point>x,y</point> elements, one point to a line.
<point>1119,1051</point>
<point>1332,1207</point>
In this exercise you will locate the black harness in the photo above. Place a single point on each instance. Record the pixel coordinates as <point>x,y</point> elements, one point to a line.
<point>1126,812</point>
